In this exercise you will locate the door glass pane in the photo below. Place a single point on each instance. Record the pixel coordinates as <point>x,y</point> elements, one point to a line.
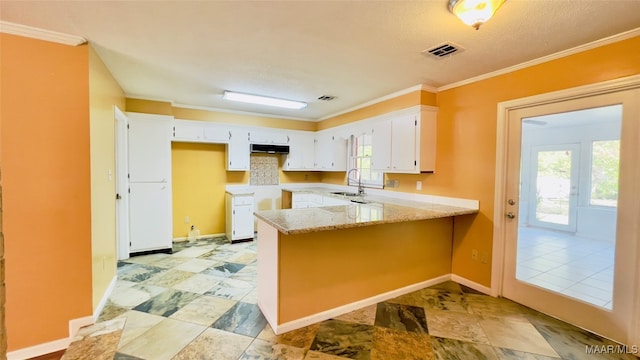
<point>553,186</point>
<point>567,205</point>
<point>605,164</point>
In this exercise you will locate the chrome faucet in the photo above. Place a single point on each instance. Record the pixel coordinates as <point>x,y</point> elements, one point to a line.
<point>360,187</point>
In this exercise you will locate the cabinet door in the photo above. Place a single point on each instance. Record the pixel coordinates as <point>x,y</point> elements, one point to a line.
<point>242,222</point>
<point>149,149</point>
<point>214,133</point>
<point>381,146</point>
<point>150,222</point>
<point>403,144</point>
<point>238,150</point>
<point>269,137</point>
<point>339,160</point>
<point>301,152</point>
<point>323,152</point>
<point>187,131</point>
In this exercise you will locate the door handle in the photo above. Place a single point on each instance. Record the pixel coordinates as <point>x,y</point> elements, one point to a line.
<point>511,202</point>
<point>511,215</point>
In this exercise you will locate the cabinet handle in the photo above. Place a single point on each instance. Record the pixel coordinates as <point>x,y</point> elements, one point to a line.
<point>229,135</point>
<point>288,139</point>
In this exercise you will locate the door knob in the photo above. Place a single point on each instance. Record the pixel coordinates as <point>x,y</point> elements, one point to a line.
<point>511,215</point>
<point>511,202</point>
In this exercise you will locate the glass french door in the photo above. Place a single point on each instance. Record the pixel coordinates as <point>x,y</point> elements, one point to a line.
<point>571,189</point>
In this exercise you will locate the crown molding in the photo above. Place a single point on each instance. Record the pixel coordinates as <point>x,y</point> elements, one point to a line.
<point>239,112</point>
<point>420,87</point>
<point>560,54</point>
<point>40,34</point>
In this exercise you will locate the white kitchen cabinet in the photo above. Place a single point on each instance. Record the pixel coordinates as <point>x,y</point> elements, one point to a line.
<point>381,145</point>
<point>149,145</point>
<point>404,134</point>
<point>405,142</point>
<point>239,215</point>
<point>330,152</point>
<point>200,131</point>
<point>301,200</point>
<point>216,133</point>
<point>259,136</point>
<point>301,155</point>
<point>238,153</point>
<point>187,131</point>
<point>150,217</point>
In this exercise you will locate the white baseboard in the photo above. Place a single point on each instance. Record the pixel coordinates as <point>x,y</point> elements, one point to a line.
<point>474,285</point>
<point>205,236</point>
<point>105,298</point>
<point>340,310</point>
<point>51,346</point>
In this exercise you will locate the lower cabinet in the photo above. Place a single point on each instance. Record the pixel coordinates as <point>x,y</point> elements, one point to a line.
<point>239,216</point>
<point>150,219</point>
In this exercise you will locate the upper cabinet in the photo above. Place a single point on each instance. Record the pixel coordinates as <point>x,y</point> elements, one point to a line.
<point>330,152</point>
<point>200,131</point>
<point>258,136</point>
<point>301,155</point>
<point>238,153</point>
<point>405,142</point>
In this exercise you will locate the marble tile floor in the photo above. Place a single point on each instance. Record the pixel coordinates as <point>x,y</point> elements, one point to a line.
<point>200,303</point>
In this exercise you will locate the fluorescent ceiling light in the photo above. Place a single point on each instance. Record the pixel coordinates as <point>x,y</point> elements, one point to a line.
<point>263,100</point>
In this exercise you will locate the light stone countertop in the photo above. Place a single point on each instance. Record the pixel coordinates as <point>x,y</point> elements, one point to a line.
<point>239,192</point>
<point>377,210</point>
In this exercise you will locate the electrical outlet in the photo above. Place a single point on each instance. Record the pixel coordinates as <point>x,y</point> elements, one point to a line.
<point>418,185</point>
<point>484,258</point>
<point>186,220</point>
<point>474,255</point>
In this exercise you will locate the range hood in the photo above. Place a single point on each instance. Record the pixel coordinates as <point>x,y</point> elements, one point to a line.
<point>269,149</point>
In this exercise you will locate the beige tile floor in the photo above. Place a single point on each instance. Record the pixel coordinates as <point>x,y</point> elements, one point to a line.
<point>571,265</point>
<point>200,303</point>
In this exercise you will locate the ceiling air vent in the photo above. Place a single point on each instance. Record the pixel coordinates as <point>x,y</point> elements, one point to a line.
<point>443,50</point>
<point>326,97</point>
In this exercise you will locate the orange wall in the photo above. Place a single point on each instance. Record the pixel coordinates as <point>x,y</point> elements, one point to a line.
<point>320,271</point>
<point>467,125</point>
<point>44,154</point>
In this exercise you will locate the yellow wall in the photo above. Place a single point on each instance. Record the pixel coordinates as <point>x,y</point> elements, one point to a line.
<point>165,108</point>
<point>104,94</point>
<point>199,178</point>
<point>46,182</point>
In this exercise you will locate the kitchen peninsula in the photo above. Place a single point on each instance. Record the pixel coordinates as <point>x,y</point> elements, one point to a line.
<point>320,262</point>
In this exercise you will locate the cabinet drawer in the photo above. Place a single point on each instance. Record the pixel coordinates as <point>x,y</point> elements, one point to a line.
<point>243,200</point>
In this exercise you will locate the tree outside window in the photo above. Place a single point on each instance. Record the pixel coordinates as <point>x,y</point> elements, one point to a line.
<point>605,166</point>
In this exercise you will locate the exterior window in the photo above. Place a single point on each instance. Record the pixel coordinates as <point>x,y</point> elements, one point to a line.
<point>360,159</point>
<point>605,165</point>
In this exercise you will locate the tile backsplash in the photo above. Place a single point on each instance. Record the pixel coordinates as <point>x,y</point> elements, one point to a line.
<point>264,170</point>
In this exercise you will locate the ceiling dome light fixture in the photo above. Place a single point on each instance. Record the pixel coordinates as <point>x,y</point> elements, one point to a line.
<point>474,12</point>
<point>263,100</point>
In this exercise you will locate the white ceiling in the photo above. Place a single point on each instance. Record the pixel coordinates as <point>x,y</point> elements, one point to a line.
<point>188,52</point>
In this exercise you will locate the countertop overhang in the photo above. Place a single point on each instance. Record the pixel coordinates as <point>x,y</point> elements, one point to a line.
<point>377,210</point>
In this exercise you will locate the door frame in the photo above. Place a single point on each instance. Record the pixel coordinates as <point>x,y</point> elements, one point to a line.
<point>574,180</point>
<point>500,190</point>
<point>122,184</point>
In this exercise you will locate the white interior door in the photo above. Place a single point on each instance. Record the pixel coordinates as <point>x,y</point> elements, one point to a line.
<point>122,193</point>
<point>569,277</point>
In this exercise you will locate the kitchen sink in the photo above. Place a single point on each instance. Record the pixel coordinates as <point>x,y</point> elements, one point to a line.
<point>345,193</point>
